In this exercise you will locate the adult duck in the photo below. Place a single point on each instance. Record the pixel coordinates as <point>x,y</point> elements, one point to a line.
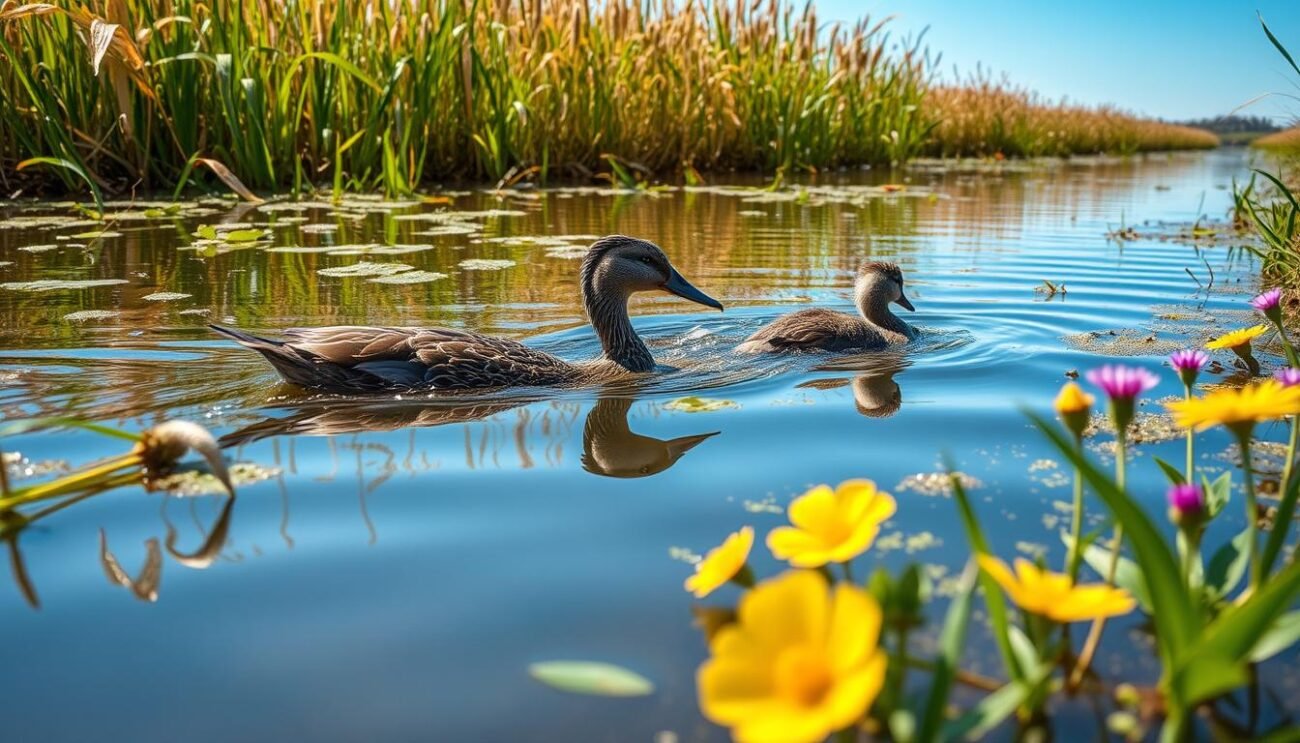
<point>360,359</point>
<point>877,286</point>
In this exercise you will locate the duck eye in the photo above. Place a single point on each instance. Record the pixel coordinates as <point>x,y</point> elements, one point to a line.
<point>647,260</point>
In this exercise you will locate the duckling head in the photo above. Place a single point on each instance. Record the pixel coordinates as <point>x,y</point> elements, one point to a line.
<point>878,284</point>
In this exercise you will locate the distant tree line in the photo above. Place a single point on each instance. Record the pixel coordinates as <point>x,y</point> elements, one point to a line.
<point>1234,124</point>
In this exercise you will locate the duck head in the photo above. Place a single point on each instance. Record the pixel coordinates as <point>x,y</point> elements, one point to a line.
<point>617,267</point>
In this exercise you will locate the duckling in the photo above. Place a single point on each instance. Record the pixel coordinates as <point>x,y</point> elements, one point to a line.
<point>361,359</point>
<point>878,284</point>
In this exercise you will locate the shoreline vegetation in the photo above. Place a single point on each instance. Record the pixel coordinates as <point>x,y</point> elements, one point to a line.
<point>363,96</point>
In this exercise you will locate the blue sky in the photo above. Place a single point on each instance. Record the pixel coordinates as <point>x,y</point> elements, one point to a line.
<point>1157,57</point>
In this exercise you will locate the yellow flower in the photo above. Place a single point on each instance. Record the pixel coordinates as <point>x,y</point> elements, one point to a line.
<point>721,564</point>
<point>1265,400</point>
<point>1050,594</point>
<point>801,661</point>
<point>831,526</point>
<point>1072,399</point>
<point>1236,338</point>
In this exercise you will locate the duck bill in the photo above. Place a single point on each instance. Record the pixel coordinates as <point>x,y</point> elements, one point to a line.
<point>682,288</point>
<point>905,303</point>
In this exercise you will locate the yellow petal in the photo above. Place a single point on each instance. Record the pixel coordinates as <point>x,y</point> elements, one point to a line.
<point>853,694</point>
<point>1092,602</point>
<point>853,497</point>
<point>784,724</point>
<point>790,609</point>
<point>855,627</point>
<point>731,692</point>
<point>814,511</point>
<point>799,547</point>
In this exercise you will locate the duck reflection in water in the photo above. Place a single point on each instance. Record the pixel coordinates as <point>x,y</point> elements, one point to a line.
<point>876,393</point>
<point>610,447</point>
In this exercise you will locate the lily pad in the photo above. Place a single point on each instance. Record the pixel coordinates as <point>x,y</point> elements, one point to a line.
<point>48,285</point>
<point>88,315</point>
<point>485,264</point>
<point>591,677</point>
<point>366,268</point>
<point>695,404</point>
<point>410,277</point>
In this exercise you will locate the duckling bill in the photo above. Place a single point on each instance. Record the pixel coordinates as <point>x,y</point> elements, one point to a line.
<point>360,359</point>
<point>878,285</point>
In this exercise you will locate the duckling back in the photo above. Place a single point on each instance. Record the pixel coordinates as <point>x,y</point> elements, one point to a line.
<point>818,330</point>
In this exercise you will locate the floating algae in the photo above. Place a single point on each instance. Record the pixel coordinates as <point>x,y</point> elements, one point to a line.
<point>49,285</point>
<point>410,277</point>
<point>695,404</point>
<point>166,296</point>
<point>88,315</point>
<point>365,268</point>
<point>1125,342</point>
<point>486,264</point>
<point>39,248</point>
<point>936,483</point>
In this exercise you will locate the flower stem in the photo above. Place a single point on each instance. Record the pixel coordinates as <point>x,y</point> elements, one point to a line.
<point>1094,633</point>
<point>1191,443</point>
<point>1252,508</point>
<point>1285,508</point>
<point>1076,520</point>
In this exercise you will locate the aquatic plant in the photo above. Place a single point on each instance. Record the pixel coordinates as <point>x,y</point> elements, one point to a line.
<point>784,667</point>
<point>389,96</point>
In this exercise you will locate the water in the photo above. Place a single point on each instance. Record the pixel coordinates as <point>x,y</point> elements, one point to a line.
<point>406,560</point>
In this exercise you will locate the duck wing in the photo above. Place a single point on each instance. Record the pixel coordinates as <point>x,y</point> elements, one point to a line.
<point>355,358</point>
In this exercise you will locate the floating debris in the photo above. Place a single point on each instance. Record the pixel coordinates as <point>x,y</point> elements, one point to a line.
<point>486,264</point>
<point>39,248</point>
<point>88,315</point>
<point>166,296</point>
<point>49,285</point>
<point>197,311</point>
<point>195,482</point>
<point>19,467</point>
<point>366,268</point>
<point>936,483</point>
<point>695,404</point>
<point>410,277</point>
<point>1125,342</point>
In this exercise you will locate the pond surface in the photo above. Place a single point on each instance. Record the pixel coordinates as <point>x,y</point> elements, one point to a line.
<point>393,567</point>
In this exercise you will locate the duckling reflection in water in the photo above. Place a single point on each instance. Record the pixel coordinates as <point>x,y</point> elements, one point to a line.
<point>877,286</point>
<point>359,359</point>
<point>876,394</point>
<point>609,446</point>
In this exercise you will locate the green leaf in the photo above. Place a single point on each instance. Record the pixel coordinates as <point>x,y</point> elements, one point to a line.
<point>993,598</point>
<point>1281,525</point>
<point>1176,617</point>
<point>243,236</point>
<point>68,165</point>
<point>591,677</point>
<point>1278,44</point>
<point>1217,493</point>
<point>1026,653</point>
<point>15,428</point>
<point>1228,565</point>
<point>991,711</point>
<point>1207,676</point>
<point>1235,633</point>
<point>1171,472</point>
<point>206,231</point>
<point>1284,633</point>
<point>951,643</point>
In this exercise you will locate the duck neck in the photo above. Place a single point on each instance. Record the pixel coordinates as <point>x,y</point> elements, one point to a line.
<point>607,310</point>
<point>875,309</point>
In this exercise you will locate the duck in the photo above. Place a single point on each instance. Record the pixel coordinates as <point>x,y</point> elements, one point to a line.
<point>878,285</point>
<point>350,359</point>
<point>610,447</point>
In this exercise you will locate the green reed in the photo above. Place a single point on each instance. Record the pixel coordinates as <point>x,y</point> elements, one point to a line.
<point>370,95</point>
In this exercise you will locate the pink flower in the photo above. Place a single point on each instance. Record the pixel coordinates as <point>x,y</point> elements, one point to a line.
<point>1267,301</point>
<point>1289,376</point>
<point>1189,360</point>
<point>1121,382</point>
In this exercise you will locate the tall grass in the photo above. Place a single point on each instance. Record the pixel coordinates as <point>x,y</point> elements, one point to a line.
<point>390,94</point>
<point>984,116</point>
<point>1286,141</point>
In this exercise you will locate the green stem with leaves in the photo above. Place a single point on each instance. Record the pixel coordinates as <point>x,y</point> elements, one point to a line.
<point>1243,434</point>
<point>1075,557</point>
<point>1094,633</point>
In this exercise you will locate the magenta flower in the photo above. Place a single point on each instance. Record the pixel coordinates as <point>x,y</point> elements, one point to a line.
<point>1189,360</point>
<point>1186,504</point>
<point>1121,382</point>
<point>1269,300</point>
<point>1289,376</point>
